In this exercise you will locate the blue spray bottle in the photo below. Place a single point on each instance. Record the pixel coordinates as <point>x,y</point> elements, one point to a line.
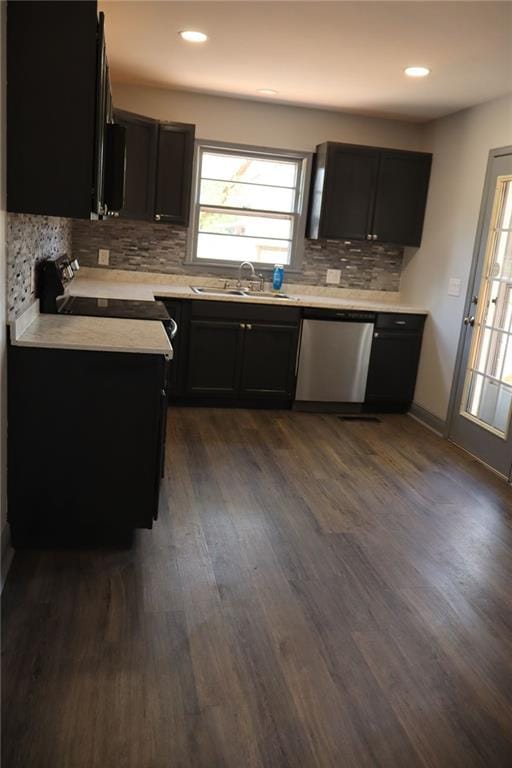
<point>278,277</point>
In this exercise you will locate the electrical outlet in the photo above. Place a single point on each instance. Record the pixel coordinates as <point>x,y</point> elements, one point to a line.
<point>333,277</point>
<point>103,257</point>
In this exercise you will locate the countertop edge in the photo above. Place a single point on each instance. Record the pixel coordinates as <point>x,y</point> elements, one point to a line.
<point>25,333</point>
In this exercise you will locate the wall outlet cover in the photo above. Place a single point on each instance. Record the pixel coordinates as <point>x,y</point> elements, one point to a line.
<point>103,257</point>
<point>333,277</point>
<point>454,286</point>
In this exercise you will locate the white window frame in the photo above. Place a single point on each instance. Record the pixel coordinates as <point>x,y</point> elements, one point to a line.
<point>304,160</point>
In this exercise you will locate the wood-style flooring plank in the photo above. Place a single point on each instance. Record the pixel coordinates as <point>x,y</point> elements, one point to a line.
<point>316,593</point>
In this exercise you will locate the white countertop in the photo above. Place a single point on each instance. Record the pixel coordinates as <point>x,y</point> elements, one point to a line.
<point>124,284</point>
<point>101,334</point>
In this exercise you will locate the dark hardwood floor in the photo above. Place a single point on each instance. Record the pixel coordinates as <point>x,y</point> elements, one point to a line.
<point>316,593</point>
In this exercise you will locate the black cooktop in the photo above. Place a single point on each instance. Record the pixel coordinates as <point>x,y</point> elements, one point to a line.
<point>94,307</point>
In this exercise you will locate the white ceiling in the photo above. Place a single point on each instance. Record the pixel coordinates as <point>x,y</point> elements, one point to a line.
<point>338,55</point>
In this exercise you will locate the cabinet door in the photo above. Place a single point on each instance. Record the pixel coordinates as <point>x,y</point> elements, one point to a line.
<point>51,105</point>
<point>393,367</point>
<point>350,180</point>
<point>174,172</point>
<point>141,148</point>
<point>401,197</point>
<point>269,355</point>
<point>214,350</point>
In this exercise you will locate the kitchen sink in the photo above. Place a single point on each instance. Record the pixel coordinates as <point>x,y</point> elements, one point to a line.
<point>240,292</point>
<point>271,295</point>
<point>219,291</point>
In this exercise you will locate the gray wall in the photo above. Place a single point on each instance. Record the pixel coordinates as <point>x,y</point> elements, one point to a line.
<point>460,144</point>
<point>263,123</point>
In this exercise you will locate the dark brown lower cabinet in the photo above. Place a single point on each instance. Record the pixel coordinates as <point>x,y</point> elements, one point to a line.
<point>86,443</point>
<point>394,362</point>
<point>268,365</point>
<point>214,357</point>
<point>241,354</point>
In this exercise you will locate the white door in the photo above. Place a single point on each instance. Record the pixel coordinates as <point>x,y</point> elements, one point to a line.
<point>483,404</point>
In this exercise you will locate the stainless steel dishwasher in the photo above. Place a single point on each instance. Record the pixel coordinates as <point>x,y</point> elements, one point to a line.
<point>334,356</point>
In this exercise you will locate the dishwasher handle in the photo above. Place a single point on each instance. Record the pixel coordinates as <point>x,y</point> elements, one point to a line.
<point>339,315</point>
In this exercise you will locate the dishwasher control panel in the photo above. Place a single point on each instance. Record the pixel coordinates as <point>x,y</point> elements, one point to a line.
<point>344,315</point>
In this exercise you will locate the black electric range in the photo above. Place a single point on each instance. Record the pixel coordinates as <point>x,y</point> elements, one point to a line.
<point>89,306</point>
<point>54,277</point>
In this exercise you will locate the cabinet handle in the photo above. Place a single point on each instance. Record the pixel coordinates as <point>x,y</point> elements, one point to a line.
<point>249,327</point>
<point>374,237</point>
<point>157,217</point>
<point>368,237</point>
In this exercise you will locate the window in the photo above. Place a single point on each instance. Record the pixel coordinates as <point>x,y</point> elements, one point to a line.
<point>249,205</point>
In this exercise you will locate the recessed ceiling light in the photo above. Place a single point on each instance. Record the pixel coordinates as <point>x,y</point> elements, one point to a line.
<point>417,71</point>
<point>267,92</point>
<point>192,36</point>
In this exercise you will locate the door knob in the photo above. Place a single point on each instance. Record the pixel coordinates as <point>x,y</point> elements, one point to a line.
<point>374,237</point>
<point>368,237</point>
<point>157,217</point>
<point>469,321</point>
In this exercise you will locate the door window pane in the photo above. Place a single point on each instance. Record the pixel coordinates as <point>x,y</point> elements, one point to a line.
<point>504,219</point>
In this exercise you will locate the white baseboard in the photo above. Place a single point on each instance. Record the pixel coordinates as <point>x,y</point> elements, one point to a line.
<point>428,419</point>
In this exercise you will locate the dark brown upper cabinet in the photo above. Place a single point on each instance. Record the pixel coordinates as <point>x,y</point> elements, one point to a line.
<point>174,172</point>
<point>159,158</point>
<point>58,100</point>
<point>141,156</point>
<point>368,193</point>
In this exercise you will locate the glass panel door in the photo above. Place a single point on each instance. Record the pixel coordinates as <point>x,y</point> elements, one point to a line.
<point>488,388</point>
<point>482,413</point>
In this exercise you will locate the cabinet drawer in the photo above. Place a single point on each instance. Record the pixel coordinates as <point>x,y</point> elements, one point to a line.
<point>400,322</point>
<point>242,311</point>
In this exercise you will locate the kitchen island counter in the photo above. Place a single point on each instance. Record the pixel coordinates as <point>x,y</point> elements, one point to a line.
<point>101,334</point>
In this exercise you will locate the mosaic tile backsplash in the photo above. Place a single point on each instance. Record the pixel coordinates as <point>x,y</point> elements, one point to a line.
<point>151,247</point>
<point>148,247</point>
<point>30,239</point>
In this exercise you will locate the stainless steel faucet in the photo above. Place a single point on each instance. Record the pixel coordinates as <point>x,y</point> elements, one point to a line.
<point>253,277</point>
<point>241,269</point>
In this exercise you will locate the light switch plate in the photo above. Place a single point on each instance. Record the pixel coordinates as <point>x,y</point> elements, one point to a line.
<point>333,277</point>
<point>454,286</point>
<point>103,257</point>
